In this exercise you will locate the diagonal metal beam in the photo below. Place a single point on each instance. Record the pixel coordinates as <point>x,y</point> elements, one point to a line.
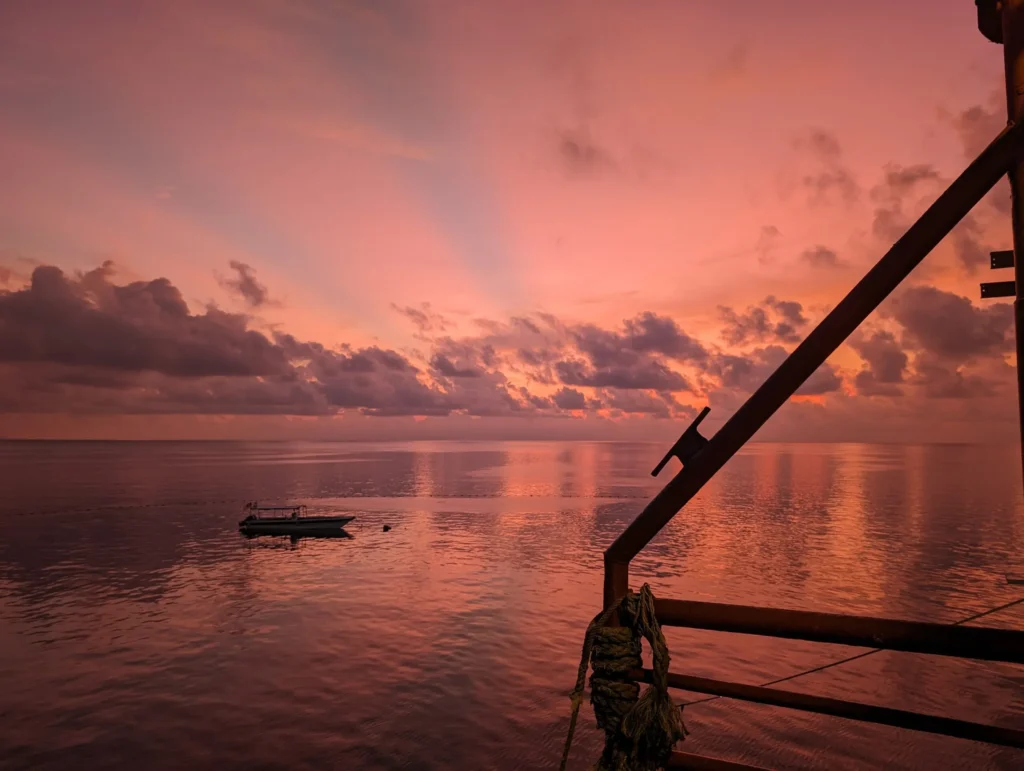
<point>934,225</point>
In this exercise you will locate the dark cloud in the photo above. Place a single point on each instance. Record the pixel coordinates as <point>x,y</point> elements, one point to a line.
<point>823,143</point>
<point>141,326</point>
<point>944,347</point>
<point>631,358</point>
<point>373,380</point>
<point>824,380</point>
<point>570,399</point>
<point>87,344</point>
<point>650,333</point>
<point>893,197</point>
<point>950,327</point>
<point>767,241</point>
<point>832,178</point>
<point>969,244</point>
<point>771,321</point>
<point>882,353</point>
<point>821,257</point>
<point>901,180</point>
<point>977,126</point>
<point>245,285</point>
<point>734,66</point>
<point>886,364</point>
<point>941,380</point>
<point>581,155</point>
<point>633,402</point>
<point>867,384</point>
<point>444,367</point>
<point>48,388</point>
<point>641,374</point>
<point>747,372</point>
<point>424,317</point>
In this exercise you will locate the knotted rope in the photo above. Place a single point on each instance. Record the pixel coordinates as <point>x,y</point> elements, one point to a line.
<point>640,731</point>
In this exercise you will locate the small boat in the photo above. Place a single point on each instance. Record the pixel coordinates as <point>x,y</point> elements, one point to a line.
<point>291,520</point>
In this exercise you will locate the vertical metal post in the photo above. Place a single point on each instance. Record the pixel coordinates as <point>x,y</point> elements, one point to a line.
<point>1013,57</point>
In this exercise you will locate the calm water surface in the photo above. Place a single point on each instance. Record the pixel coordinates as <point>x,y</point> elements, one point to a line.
<point>139,630</point>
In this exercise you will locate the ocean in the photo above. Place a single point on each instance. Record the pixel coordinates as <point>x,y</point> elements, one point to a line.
<point>140,630</point>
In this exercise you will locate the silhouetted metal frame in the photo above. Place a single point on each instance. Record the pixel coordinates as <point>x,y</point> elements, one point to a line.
<point>905,255</point>
<point>1013,58</point>
<point>1002,157</point>
<point>999,158</point>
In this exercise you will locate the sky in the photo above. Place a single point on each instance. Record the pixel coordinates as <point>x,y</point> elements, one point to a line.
<point>341,219</point>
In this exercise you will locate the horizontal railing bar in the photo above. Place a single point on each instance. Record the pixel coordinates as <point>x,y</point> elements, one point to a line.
<point>969,642</point>
<point>691,762</point>
<point>866,713</point>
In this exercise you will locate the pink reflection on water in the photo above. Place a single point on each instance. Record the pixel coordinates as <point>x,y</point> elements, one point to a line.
<point>145,632</point>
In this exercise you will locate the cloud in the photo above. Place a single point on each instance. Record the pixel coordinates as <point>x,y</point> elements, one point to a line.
<point>570,399</point>
<point>821,257</point>
<point>444,367</point>
<point>373,380</point>
<point>581,155</point>
<point>631,358</point>
<point>943,346</point>
<point>950,327</point>
<point>832,177</point>
<point>883,355</point>
<point>941,380</point>
<point>88,343</point>
<point>633,402</point>
<point>892,198</point>
<point>637,374</point>
<point>650,333</point>
<point>424,317</point>
<point>978,125</point>
<point>245,285</point>
<point>744,374</point>
<point>969,244</point>
<point>772,320</point>
<point>734,66</point>
<point>886,364</point>
<point>141,326</point>
<point>767,241</point>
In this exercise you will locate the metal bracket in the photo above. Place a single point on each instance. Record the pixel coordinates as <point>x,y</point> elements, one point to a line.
<point>1001,259</point>
<point>998,289</point>
<point>687,446</point>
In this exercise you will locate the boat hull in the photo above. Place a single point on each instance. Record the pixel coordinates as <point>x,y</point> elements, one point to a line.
<point>326,526</point>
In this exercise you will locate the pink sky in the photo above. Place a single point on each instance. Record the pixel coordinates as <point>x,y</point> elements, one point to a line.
<point>573,163</point>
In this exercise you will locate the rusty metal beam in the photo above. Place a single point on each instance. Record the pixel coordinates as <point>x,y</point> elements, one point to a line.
<point>865,713</point>
<point>691,762</point>
<point>934,225</point>
<point>969,642</point>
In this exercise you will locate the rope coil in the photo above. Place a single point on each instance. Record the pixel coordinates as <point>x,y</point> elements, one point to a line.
<point>640,731</point>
